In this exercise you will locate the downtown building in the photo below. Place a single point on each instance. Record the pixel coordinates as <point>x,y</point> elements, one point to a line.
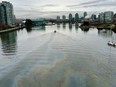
<point>84,14</point>
<point>93,17</point>
<point>114,19</point>
<point>7,16</point>
<point>76,18</point>
<point>101,17</point>
<point>106,17</point>
<point>70,18</point>
<point>58,20</point>
<point>64,18</point>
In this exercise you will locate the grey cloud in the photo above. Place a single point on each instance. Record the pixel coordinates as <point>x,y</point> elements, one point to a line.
<point>101,5</point>
<point>92,2</point>
<point>87,3</point>
<point>49,5</point>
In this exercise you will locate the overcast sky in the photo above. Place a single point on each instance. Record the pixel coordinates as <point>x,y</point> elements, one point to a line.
<point>51,8</point>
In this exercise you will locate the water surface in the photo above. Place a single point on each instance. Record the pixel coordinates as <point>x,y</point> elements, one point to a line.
<point>71,57</point>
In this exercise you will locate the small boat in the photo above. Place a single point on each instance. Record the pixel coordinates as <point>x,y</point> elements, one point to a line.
<point>110,43</point>
<point>55,31</point>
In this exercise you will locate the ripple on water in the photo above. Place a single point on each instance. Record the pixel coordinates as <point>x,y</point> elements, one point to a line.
<point>63,59</point>
<point>72,70</point>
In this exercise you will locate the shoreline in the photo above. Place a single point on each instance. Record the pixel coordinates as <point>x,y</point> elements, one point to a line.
<point>10,29</point>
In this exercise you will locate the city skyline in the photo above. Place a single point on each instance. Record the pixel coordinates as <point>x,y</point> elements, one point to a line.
<point>51,8</point>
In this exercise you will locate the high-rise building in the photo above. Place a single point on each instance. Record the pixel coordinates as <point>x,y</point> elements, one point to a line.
<point>70,17</point>
<point>115,15</point>
<point>108,16</point>
<point>6,13</point>
<point>3,16</point>
<point>93,17</point>
<point>85,14</point>
<point>76,17</point>
<point>101,17</point>
<point>64,17</point>
<point>114,19</point>
<point>58,19</point>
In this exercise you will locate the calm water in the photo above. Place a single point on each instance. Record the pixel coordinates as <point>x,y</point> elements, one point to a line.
<point>71,57</point>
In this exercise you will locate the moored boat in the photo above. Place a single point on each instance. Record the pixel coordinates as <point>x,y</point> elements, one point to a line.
<point>110,43</point>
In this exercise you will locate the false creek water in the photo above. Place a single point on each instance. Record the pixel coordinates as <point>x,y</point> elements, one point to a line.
<point>70,57</point>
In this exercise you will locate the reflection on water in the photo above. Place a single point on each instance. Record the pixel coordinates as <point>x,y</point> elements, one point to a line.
<point>76,26</point>
<point>38,28</point>
<point>41,28</point>
<point>85,28</point>
<point>9,43</point>
<point>70,26</point>
<point>64,25</point>
<point>58,25</point>
<point>105,33</point>
<point>29,29</point>
<point>63,59</point>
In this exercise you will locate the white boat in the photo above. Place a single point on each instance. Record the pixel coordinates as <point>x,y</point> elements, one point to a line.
<point>111,43</point>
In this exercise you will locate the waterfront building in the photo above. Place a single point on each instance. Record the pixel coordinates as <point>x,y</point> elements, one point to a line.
<point>36,22</point>
<point>3,17</point>
<point>58,19</point>
<point>76,17</point>
<point>14,19</point>
<point>108,16</point>
<point>6,13</point>
<point>70,18</point>
<point>93,17</point>
<point>114,19</point>
<point>63,18</point>
<point>85,14</point>
<point>101,17</point>
<point>115,15</point>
